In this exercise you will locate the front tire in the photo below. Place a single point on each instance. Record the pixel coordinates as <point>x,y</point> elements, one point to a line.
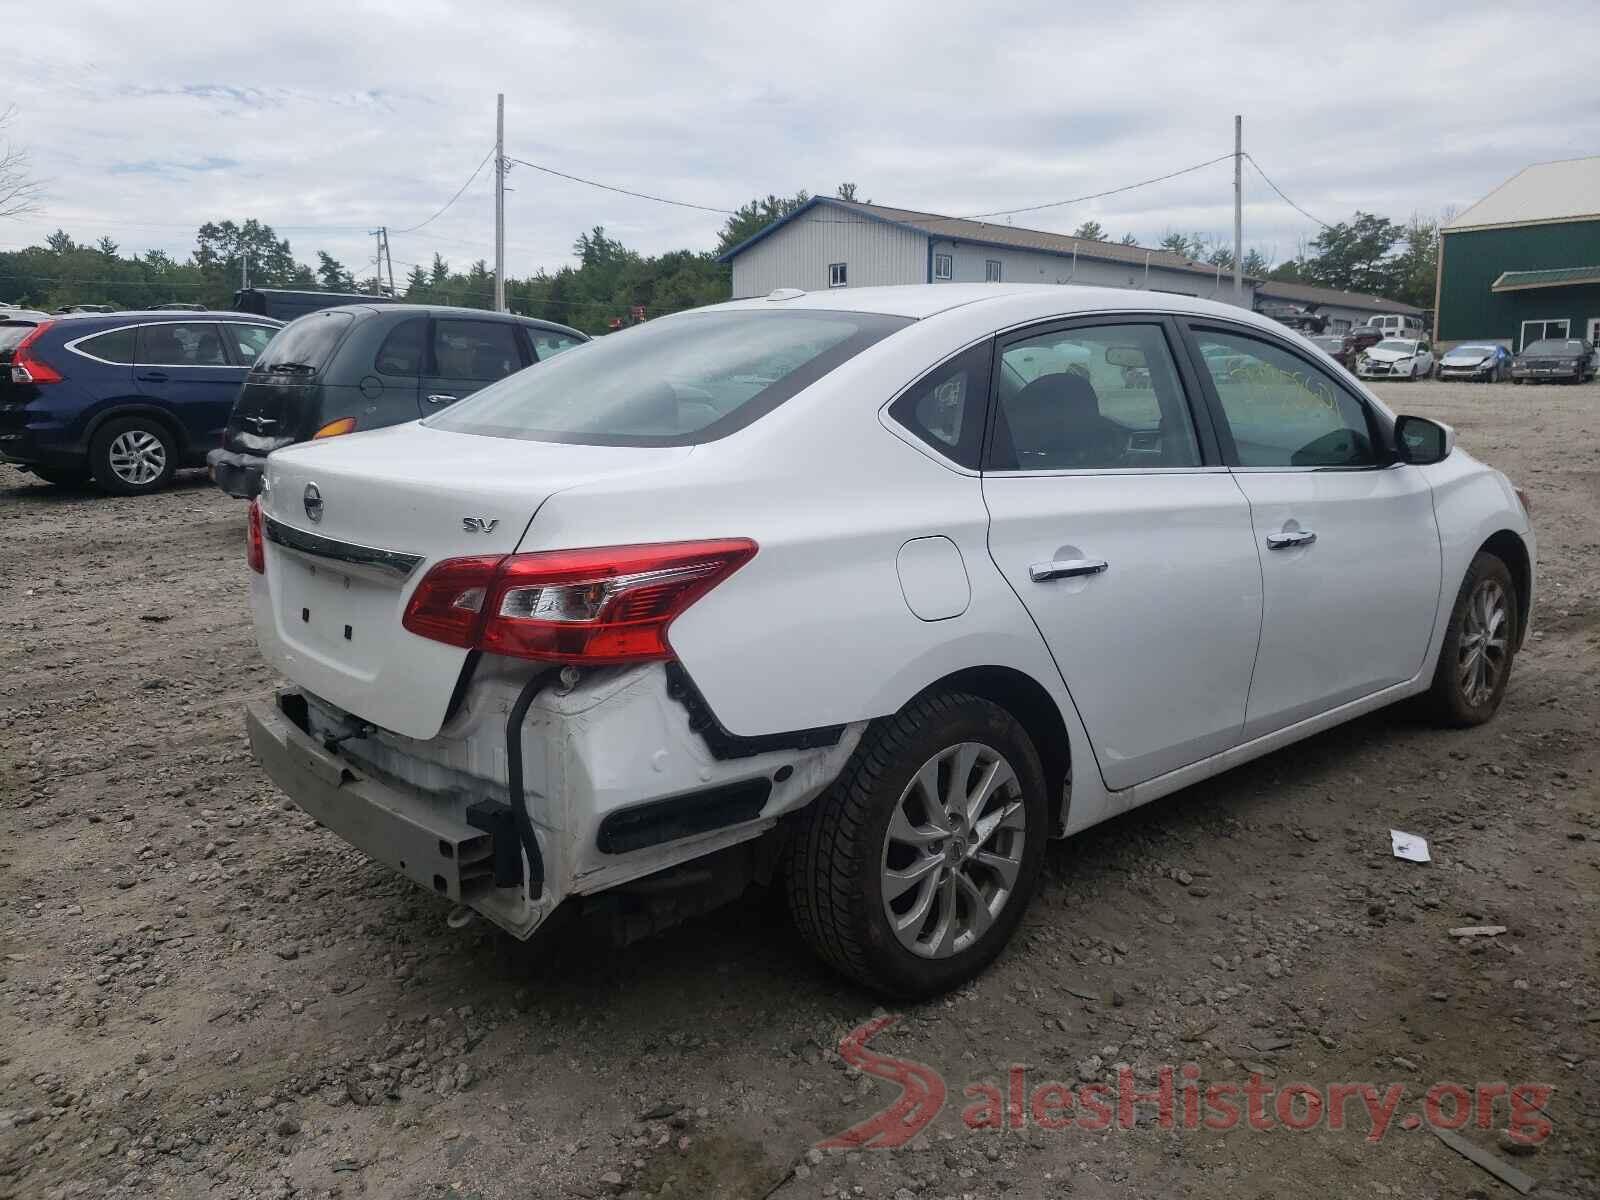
<point>1479,644</point>
<point>133,456</point>
<point>911,872</point>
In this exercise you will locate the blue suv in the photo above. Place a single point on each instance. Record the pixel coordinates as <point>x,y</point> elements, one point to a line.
<point>123,398</point>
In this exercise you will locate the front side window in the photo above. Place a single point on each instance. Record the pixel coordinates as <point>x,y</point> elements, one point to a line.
<point>991,271</point>
<point>249,340</point>
<point>475,351</point>
<point>547,343</point>
<point>180,344</point>
<point>946,407</point>
<point>1100,397</point>
<point>677,382</point>
<point>837,274</point>
<point>114,346</point>
<point>1282,411</point>
<point>401,352</point>
<point>944,266</point>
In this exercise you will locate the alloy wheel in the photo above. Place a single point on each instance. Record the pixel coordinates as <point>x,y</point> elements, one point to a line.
<point>953,850</point>
<point>137,457</point>
<point>1482,658</point>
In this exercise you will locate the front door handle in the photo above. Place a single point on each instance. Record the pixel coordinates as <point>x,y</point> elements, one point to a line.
<point>154,377</point>
<point>1289,539</point>
<point>440,398</point>
<point>1066,568</point>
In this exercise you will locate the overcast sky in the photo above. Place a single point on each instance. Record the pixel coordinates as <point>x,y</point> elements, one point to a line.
<point>327,119</point>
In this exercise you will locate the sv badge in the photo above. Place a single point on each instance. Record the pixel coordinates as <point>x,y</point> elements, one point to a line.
<point>478,524</point>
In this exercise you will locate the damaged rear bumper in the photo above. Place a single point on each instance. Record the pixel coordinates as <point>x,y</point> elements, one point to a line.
<point>624,779</point>
<point>425,839</point>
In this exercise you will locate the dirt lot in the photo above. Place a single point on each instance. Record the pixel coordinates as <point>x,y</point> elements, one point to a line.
<point>204,995</point>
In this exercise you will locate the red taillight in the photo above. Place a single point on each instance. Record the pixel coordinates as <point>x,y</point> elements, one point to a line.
<point>27,367</point>
<point>255,542</point>
<point>607,605</point>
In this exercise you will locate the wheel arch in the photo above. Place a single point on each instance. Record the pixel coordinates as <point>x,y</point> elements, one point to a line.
<point>1509,548</point>
<point>1035,710</point>
<point>118,411</point>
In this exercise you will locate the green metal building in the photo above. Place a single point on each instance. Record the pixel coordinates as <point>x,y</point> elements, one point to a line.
<point>1524,262</point>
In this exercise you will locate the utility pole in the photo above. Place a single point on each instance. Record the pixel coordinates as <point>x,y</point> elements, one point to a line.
<point>1238,209</point>
<point>377,261</point>
<point>244,269</point>
<point>500,202</point>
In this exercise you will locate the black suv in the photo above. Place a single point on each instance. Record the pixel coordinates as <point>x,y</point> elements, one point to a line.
<point>342,370</point>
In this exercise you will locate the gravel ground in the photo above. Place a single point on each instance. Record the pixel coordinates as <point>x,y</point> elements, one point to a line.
<point>202,994</point>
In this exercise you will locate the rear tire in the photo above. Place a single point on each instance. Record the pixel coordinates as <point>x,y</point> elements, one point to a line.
<point>133,456</point>
<point>911,872</point>
<point>1479,645</point>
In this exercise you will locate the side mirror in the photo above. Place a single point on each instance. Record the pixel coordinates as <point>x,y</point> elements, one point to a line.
<point>1420,442</point>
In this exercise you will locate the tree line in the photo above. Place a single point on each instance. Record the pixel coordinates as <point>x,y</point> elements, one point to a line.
<point>610,283</point>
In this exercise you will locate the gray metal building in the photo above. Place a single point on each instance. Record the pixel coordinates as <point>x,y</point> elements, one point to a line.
<point>839,243</point>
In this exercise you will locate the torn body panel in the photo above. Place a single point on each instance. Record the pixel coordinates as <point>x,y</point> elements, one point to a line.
<point>609,750</point>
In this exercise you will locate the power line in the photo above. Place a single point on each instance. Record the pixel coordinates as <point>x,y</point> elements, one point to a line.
<point>1282,197</point>
<point>453,199</point>
<point>1007,212</point>
<point>727,212</point>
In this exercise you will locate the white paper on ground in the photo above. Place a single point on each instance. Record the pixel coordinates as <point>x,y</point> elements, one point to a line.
<point>1409,846</point>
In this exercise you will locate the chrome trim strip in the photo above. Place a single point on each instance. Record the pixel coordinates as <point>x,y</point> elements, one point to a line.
<point>391,562</point>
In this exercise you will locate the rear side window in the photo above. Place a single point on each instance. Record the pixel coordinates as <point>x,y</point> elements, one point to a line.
<point>946,407</point>
<point>475,351</point>
<point>675,382</point>
<point>305,344</point>
<point>180,344</point>
<point>401,352</point>
<point>113,347</point>
<point>1093,398</point>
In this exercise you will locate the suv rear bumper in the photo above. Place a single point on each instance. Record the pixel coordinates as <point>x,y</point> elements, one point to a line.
<point>237,474</point>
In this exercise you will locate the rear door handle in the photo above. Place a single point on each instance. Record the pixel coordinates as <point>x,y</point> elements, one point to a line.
<point>440,398</point>
<point>1285,541</point>
<point>154,377</point>
<point>1066,568</point>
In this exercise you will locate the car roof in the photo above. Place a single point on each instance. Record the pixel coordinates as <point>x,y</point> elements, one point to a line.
<point>1008,301</point>
<point>148,316</point>
<point>400,311</point>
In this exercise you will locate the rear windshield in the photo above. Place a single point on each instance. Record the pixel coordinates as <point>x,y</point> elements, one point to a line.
<point>683,381</point>
<point>12,332</point>
<point>305,345</point>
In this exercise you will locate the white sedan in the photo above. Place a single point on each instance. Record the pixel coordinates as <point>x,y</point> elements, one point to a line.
<point>1396,358</point>
<point>870,591</point>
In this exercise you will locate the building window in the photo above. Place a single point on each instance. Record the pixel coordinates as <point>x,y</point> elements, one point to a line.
<point>991,271</point>
<point>944,266</point>
<point>836,275</point>
<point>1537,331</point>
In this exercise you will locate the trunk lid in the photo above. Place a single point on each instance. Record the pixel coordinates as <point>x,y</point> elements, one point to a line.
<point>389,505</point>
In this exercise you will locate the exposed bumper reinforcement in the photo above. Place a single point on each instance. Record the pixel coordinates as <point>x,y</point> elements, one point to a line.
<point>411,832</point>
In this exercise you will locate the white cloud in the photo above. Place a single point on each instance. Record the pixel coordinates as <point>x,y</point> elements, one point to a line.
<point>328,119</point>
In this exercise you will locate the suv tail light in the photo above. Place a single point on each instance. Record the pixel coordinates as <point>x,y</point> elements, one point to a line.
<point>27,367</point>
<point>255,543</point>
<point>596,607</point>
